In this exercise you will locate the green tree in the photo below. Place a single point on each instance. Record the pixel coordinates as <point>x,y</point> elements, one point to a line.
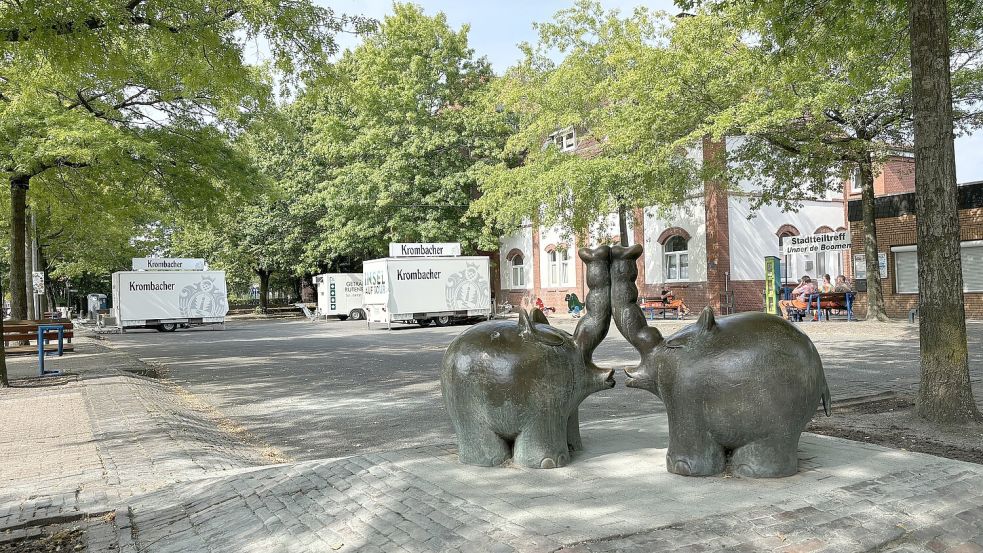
<point>614,169</point>
<point>945,394</point>
<point>396,136</point>
<point>138,93</point>
<point>944,99</point>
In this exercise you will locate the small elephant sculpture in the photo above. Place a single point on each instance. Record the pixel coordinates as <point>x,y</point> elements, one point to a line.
<point>513,389</point>
<point>743,386</point>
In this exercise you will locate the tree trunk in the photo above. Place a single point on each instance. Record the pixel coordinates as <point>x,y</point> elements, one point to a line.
<point>623,224</point>
<point>264,289</point>
<point>18,237</point>
<point>944,394</point>
<point>4,381</point>
<point>875,295</point>
<point>29,267</point>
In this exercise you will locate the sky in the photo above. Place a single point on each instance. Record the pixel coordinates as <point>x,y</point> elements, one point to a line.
<point>498,26</point>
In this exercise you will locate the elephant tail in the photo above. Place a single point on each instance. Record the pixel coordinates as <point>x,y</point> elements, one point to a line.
<point>827,402</point>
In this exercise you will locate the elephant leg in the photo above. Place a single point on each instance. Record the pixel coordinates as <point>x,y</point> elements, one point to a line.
<point>772,457</point>
<point>543,443</point>
<point>573,432</point>
<point>694,453</point>
<point>478,445</point>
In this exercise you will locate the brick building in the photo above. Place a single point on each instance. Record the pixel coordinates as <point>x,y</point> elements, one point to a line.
<point>707,250</point>
<point>897,237</point>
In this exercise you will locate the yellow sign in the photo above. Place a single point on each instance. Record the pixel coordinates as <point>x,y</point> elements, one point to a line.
<point>773,272</point>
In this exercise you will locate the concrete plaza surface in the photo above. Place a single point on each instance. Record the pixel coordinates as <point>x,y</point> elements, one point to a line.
<point>142,465</point>
<point>329,389</point>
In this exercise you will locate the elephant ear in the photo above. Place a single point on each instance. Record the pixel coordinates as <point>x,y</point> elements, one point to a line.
<point>530,328</point>
<point>539,317</point>
<point>706,323</point>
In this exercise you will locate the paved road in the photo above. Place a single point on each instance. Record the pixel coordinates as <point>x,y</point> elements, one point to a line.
<point>334,389</point>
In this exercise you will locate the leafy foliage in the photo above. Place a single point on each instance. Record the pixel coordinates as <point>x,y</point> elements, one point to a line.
<point>395,138</point>
<point>621,161</point>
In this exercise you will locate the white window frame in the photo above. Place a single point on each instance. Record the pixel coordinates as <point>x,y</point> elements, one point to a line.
<point>855,187</point>
<point>565,140</point>
<point>513,281</point>
<point>677,257</point>
<point>558,268</point>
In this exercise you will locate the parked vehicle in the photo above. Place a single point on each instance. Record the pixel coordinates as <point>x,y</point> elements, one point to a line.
<point>425,290</point>
<point>340,295</point>
<point>166,300</point>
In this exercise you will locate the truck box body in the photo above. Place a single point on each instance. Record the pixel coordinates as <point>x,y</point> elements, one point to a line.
<point>404,289</point>
<point>149,298</point>
<point>339,294</point>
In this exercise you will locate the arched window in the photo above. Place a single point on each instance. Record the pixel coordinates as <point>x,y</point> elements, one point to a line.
<point>517,271</point>
<point>677,258</point>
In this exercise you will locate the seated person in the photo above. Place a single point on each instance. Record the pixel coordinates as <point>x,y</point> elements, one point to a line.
<point>826,286</point>
<point>842,285</point>
<point>800,296</point>
<point>574,307</point>
<point>670,301</point>
<point>542,307</point>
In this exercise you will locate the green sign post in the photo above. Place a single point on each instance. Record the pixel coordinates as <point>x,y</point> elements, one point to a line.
<point>773,273</point>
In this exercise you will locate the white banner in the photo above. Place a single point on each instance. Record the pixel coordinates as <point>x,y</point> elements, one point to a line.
<point>427,285</point>
<point>168,264</point>
<point>169,295</point>
<point>38,281</point>
<point>418,249</point>
<point>816,243</point>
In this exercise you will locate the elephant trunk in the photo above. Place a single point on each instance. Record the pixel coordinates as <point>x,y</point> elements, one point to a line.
<point>627,314</point>
<point>594,326</point>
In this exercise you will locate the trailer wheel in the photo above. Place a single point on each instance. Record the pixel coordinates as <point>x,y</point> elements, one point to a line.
<point>356,315</point>
<point>166,327</point>
<point>424,322</point>
<point>443,320</point>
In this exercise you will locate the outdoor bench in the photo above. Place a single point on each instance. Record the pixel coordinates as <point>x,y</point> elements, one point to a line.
<point>650,307</point>
<point>27,331</point>
<point>831,300</point>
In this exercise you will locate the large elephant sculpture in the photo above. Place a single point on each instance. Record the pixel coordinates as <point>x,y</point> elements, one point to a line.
<point>513,389</point>
<point>742,387</point>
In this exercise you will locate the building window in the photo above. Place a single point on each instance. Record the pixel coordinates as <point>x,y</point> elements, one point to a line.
<point>677,259</point>
<point>559,267</point>
<point>565,140</point>
<point>517,272</point>
<point>906,267</point>
<point>855,186</point>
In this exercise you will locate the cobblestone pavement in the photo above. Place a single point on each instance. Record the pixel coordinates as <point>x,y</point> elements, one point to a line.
<point>75,447</point>
<point>615,497</point>
<point>144,468</point>
<point>349,390</point>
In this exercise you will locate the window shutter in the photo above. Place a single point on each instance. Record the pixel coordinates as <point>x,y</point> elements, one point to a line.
<point>906,272</point>
<point>972,258</point>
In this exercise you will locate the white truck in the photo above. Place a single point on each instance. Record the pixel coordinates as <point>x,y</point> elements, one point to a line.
<point>442,290</point>
<point>164,300</point>
<point>340,295</point>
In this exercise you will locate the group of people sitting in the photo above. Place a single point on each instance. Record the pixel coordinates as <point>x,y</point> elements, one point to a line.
<point>807,287</point>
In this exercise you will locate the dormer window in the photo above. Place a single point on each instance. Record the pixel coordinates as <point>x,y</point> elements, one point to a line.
<point>565,140</point>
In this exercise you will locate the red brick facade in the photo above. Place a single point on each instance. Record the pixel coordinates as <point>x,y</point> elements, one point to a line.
<point>718,234</point>
<point>900,231</point>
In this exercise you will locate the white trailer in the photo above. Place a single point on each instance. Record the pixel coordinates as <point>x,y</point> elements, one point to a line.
<point>340,295</point>
<point>443,290</point>
<point>164,300</point>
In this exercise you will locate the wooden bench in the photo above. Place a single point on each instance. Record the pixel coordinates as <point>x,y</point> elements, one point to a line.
<point>27,331</point>
<point>825,302</point>
<point>651,306</point>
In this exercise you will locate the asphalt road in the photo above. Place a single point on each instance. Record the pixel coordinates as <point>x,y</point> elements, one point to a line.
<point>331,389</point>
